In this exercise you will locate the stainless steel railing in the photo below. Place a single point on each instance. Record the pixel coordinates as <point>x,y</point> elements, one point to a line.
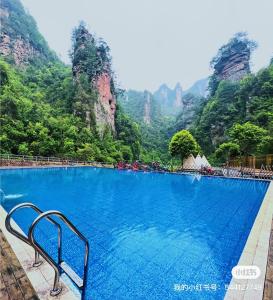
<point>60,266</point>
<point>56,267</point>
<point>27,160</point>
<point>20,236</point>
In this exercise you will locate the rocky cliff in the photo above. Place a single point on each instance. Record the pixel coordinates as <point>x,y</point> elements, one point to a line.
<point>199,88</point>
<point>232,60</point>
<point>229,99</point>
<point>105,107</point>
<point>147,108</point>
<point>20,41</point>
<point>91,65</point>
<point>169,100</point>
<point>94,91</point>
<point>141,106</point>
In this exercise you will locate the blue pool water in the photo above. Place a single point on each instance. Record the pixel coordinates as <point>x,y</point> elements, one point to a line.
<point>150,234</point>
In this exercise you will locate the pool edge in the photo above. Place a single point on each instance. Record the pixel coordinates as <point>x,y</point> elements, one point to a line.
<point>40,277</point>
<point>255,252</point>
<point>6,168</point>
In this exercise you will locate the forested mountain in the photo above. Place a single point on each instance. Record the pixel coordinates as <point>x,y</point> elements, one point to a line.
<point>170,101</point>
<point>20,41</point>
<point>162,113</point>
<point>199,88</point>
<point>164,102</point>
<point>236,96</point>
<point>142,108</point>
<point>48,108</point>
<point>250,99</point>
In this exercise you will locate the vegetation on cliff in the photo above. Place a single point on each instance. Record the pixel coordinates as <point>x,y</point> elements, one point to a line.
<point>232,61</point>
<point>45,104</point>
<point>36,119</point>
<point>249,100</point>
<point>48,108</point>
<point>91,64</point>
<point>20,40</point>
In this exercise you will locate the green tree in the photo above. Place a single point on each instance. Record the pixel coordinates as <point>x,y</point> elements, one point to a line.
<point>248,136</point>
<point>87,152</point>
<point>227,150</point>
<point>183,144</point>
<point>126,153</point>
<point>23,149</point>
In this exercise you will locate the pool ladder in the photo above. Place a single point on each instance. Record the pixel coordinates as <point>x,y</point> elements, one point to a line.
<point>60,266</point>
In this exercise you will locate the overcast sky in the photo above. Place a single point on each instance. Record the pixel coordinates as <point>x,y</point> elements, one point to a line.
<point>158,41</point>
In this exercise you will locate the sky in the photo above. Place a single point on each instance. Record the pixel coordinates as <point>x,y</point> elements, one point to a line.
<point>158,41</point>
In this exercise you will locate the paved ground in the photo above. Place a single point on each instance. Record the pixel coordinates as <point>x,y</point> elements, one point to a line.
<point>268,286</point>
<point>14,284</point>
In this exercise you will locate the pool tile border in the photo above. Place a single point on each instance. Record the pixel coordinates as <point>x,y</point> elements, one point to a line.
<point>40,277</point>
<point>255,253</point>
<point>197,175</point>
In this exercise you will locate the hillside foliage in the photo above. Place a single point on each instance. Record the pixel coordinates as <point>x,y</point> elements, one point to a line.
<point>250,100</point>
<point>36,119</point>
<point>44,104</point>
<point>19,25</point>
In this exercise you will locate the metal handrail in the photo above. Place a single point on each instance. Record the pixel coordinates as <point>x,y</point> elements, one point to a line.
<point>20,236</point>
<point>56,289</point>
<point>28,158</point>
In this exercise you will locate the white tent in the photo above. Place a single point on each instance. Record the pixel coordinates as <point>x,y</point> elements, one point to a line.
<point>199,162</point>
<point>205,161</point>
<point>190,163</point>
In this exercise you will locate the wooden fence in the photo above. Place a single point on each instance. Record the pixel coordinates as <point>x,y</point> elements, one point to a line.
<point>251,161</point>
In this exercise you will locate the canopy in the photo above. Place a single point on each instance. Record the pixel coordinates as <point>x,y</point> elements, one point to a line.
<point>190,163</point>
<point>199,162</point>
<point>205,161</point>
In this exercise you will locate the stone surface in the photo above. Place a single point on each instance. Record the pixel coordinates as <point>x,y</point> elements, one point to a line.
<point>21,42</point>
<point>170,100</point>
<point>268,286</point>
<point>20,50</point>
<point>147,108</point>
<point>98,104</point>
<point>14,283</point>
<point>106,107</point>
<point>232,61</point>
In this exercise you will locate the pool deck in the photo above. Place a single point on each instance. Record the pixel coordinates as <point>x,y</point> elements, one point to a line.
<point>268,286</point>
<point>41,278</point>
<point>14,283</point>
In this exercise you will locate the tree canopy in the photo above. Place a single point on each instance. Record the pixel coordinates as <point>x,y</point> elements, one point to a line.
<point>227,150</point>
<point>35,120</point>
<point>248,136</point>
<point>183,144</point>
<point>249,100</point>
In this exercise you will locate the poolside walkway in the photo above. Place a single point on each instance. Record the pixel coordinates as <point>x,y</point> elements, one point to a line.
<point>14,284</point>
<point>268,285</point>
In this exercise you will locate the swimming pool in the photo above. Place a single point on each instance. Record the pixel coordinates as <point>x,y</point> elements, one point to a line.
<point>152,236</point>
